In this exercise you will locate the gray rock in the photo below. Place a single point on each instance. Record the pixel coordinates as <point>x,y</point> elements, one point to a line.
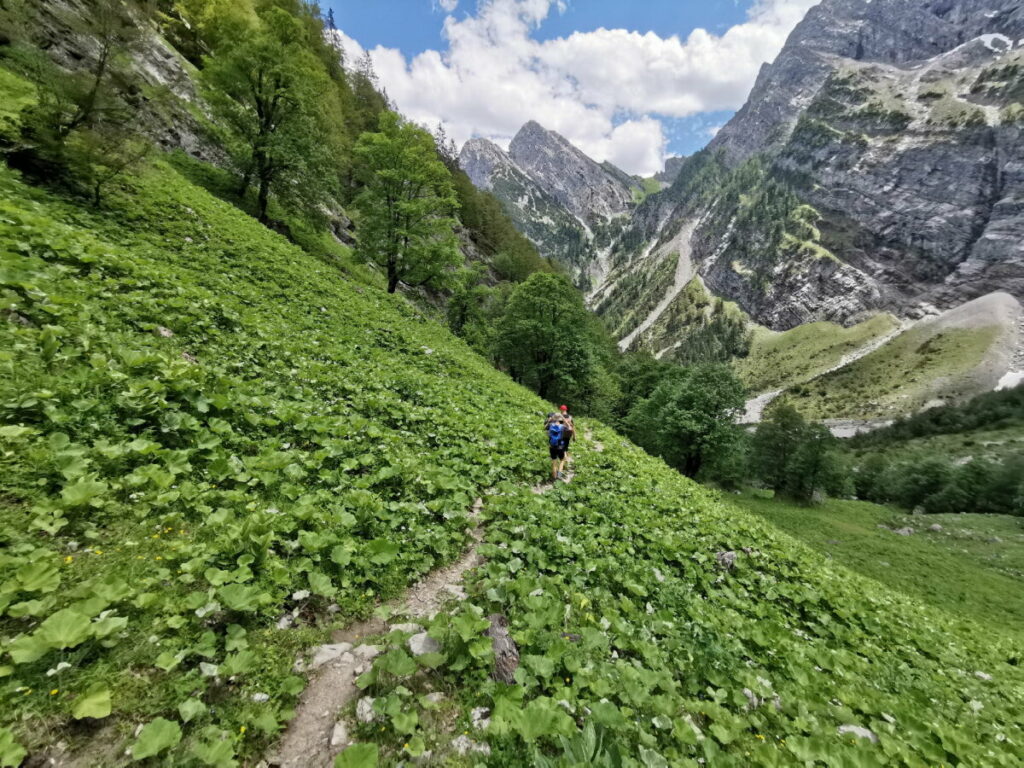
<point>364,710</point>
<point>366,652</point>
<point>339,736</point>
<point>920,212</point>
<point>935,527</point>
<point>983,676</point>
<point>410,628</point>
<point>325,654</point>
<point>908,531</point>
<point>589,190</point>
<point>726,560</point>
<point>422,643</point>
<point>463,745</point>
<point>479,718</point>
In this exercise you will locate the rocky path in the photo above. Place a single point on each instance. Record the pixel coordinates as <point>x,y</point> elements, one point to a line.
<point>683,274</point>
<point>315,736</point>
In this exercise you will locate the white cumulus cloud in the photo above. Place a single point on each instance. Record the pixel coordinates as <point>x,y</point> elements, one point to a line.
<point>605,90</point>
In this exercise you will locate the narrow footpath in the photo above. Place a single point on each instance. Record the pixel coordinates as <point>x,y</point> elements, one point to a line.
<point>315,736</point>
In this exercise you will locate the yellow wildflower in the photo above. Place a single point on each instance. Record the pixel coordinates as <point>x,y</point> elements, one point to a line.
<point>242,729</point>
<point>68,559</point>
<point>55,691</point>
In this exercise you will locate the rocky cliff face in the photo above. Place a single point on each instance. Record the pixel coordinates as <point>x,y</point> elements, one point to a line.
<point>556,232</point>
<point>878,165</point>
<point>569,205</point>
<point>592,192</point>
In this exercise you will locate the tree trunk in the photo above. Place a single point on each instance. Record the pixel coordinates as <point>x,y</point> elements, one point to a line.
<point>262,199</point>
<point>243,187</point>
<point>392,280</point>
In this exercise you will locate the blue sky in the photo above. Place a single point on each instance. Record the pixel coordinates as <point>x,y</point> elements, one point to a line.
<point>631,81</point>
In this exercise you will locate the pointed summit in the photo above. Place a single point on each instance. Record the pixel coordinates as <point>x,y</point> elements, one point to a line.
<point>588,190</point>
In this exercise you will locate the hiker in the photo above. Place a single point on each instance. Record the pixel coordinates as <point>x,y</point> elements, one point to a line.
<point>564,410</point>
<point>557,431</point>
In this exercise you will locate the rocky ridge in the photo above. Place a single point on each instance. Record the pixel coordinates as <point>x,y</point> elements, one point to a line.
<point>888,138</point>
<point>569,205</point>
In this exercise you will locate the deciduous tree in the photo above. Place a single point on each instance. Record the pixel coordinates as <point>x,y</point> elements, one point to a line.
<point>406,206</point>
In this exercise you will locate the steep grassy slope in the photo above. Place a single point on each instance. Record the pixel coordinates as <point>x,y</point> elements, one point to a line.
<point>215,448</point>
<point>953,357</point>
<point>973,566</point>
<point>628,618</point>
<point>783,359</point>
<point>201,421</point>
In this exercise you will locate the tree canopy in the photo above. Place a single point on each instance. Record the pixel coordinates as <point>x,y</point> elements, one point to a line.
<point>407,204</point>
<point>689,416</point>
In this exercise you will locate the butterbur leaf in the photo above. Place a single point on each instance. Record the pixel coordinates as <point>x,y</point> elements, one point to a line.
<point>12,753</point>
<point>93,703</point>
<point>652,759</point>
<point>238,663</point>
<point>430,660</point>
<point>219,753</point>
<point>27,648</point>
<point>168,661</point>
<point>38,577</point>
<point>190,709</point>
<point>342,554</point>
<point>358,756</point>
<point>108,625</point>
<point>155,737</point>
<point>398,663</point>
<point>541,666</point>
<point>321,584</point>
<point>382,551</point>
<point>416,746</point>
<point>542,717</point>
<point>82,491</point>
<point>405,722</point>
<point>64,629</point>
<point>239,597</point>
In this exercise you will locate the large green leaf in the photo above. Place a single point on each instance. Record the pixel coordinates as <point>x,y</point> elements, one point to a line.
<point>190,709</point>
<point>358,756</point>
<point>11,752</point>
<point>65,629</point>
<point>82,491</point>
<point>95,702</point>
<point>38,577</point>
<point>156,736</point>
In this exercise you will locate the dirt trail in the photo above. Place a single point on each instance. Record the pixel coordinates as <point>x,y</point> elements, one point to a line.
<point>315,736</point>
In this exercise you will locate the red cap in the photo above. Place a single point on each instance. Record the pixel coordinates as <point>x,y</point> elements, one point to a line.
<point>563,407</point>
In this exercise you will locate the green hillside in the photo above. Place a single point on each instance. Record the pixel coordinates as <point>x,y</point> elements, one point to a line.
<point>782,359</point>
<point>203,423</point>
<point>165,494</point>
<point>971,566</point>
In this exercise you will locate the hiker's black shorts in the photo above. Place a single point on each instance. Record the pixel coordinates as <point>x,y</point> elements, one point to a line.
<point>557,452</point>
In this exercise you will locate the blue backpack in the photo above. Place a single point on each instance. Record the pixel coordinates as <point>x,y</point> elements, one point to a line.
<point>555,432</point>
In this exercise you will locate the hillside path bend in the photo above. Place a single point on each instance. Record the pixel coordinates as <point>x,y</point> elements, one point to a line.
<point>311,739</point>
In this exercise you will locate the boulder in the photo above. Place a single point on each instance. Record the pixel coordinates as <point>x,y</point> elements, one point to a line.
<point>422,643</point>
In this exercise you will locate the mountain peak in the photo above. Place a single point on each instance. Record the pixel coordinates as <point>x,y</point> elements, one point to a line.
<point>586,188</point>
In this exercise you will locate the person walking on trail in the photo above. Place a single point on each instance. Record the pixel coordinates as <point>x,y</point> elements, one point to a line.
<point>564,411</point>
<point>557,431</point>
